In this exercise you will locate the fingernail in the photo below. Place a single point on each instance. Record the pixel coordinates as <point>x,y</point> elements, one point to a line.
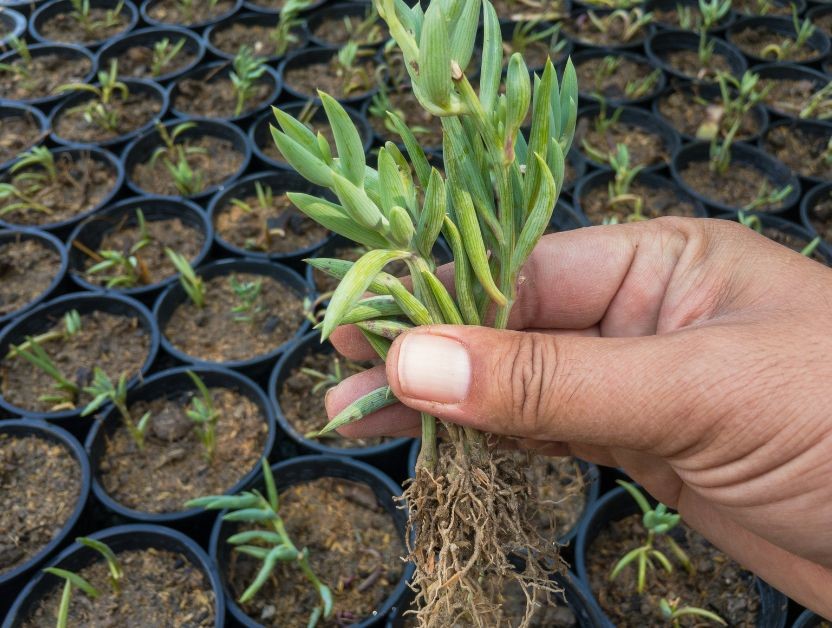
<point>434,368</point>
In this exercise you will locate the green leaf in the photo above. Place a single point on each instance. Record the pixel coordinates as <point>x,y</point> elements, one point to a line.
<point>271,488</point>
<point>465,33</point>
<point>414,309</point>
<point>279,553</point>
<point>435,57</point>
<point>386,329</point>
<point>636,494</point>
<point>518,94</point>
<point>266,536</point>
<point>450,313</point>
<point>223,502</point>
<point>492,57</point>
<point>414,149</point>
<point>297,130</point>
<point>391,186</point>
<point>309,165</point>
<point>76,580</point>
<point>628,558</point>
<point>326,598</point>
<point>358,409</point>
<point>338,268</point>
<point>372,307</point>
<point>347,140</point>
<point>255,551</point>
<point>538,218</point>
<point>462,275</point>
<point>380,345</point>
<point>358,205</point>
<point>401,226</point>
<point>433,214</point>
<point>252,515</point>
<point>335,218</point>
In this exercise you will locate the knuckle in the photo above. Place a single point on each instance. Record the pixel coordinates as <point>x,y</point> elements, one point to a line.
<point>532,366</point>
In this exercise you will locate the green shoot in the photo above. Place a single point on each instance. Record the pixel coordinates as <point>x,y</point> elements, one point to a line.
<point>268,539</point>
<point>191,283</point>
<point>365,32</point>
<point>116,573</point>
<point>247,70</point>
<point>602,123</point>
<point>22,68</point>
<point>283,34</point>
<point>737,98</point>
<point>673,613</point>
<point>809,249</point>
<point>638,88</point>
<point>380,105</point>
<point>81,13</point>
<point>164,52</point>
<point>632,22</point>
<point>247,293</point>
<point>66,395</point>
<point>127,270</point>
<point>32,173</point>
<point>767,197</point>
<point>347,66</point>
<point>819,105</point>
<point>527,33</point>
<point>712,12</point>
<point>790,46</point>
<point>752,221</point>
<point>175,157</point>
<point>72,325</point>
<point>618,190</point>
<point>186,7</point>
<point>98,110</point>
<point>71,581</point>
<point>634,89</point>
<point>103,391</point>
<point>204,415</point>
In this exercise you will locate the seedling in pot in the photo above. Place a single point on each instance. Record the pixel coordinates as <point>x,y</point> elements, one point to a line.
<point>673,612</point>
<point>126,269</point>
<point>752,221</point>
<point>103,391</point>
<point>738,98</point>
<point>634,89</point>
<point>819,105</point>
<point>186,7</point>
<point>24,187</point>
<point>712,11</point>
<point>177,159</point>
<point>602,123</point>
<point>204,415</point>
<point>270,227</point>
<point>283,34</point>
<point>247,71</point>
<point>99,110</point>
<point>325,381</point>
<point>618,190</point>
<point>790,46</point>
<point>247,293</point>
<point>632,22</point>
<point>527,33</point>
<point>191,283</point>
<point>268,541</point>
<point>346,65</point>
<point>81,13</point>
<point>367,31</point>
<point>164,52</point>
<point>72,325</point>
<point>22,69</point>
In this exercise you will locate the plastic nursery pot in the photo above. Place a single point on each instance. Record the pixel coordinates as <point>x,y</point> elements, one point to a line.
<point>174,295</point>
<point>250,20</point>
<point>807,214</point>
<point>578,164</point>
<point>48,241</point>
<point>565,218</point>
<point>789,72</point>
<point>260,135</point>
<point>56,7</point>
<point>818,41</point>
<point>310,56</point>
<point>616,505</point>
<point>147,89</point>
<point>777,174</point>
<point>338,12</point>
<point>588,55</point>
<point>307,469</point>
<point>12,24</point>
<point>807,619</point>
<point>119,539</point>
<point>804,234</point>
<point>279,182</point>
<point>39,319</point>
<point>89,234</point>
<point>667,42</point>
<point>195,522</point>
<point>672,5</point>
<point>11,580</point>
<point>141,149</point>
<point>641,119</point>
<point>788,7</point>
<point>33,117</point>
<point>220,70</point>
<point>24,7</point>
<point>147,8</point>
<point>63,227</point>
<point>146,37</point>
<point>273,7</point>
<point>821,132</point>
<point>819,11</point>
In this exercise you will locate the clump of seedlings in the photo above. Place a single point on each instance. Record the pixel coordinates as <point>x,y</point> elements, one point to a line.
<point>618,192</point>
<point>85,23</point>
<point>164,54</point>
<point>366,30</point>
<point>178,159</point>
<point>125,269</point>
<point>247,71</point>
<point>103,391</point>
<point>267,41</point>
<point>29,77</point>
<point>703,63</point>
<point>349,73</point>
<point>100,110</point>
<point>616,28</point>
<point>499,195</point>
<point>617,78</point>
<point>771,45</point>
<point>687,17</point>
<point>536,42</point>
<point>187,12</point>
<point>763,7</point>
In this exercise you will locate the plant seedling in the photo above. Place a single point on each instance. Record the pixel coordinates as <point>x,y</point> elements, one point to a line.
<point>672,612</point>
<point>658,522</point>
<point>67,392</point>
<point>634,89</point>
<point>790,46</point>
<point>71,581</point>
<point>247,70</point>
<point>324,381</point>
<point>25,186</point>
<point>99,110</point>
<point>186,7</point>
<point>618,190</point>
<point>164,52</point>
<point>712,12</point>
<point>103,391</point>
<point>819,104</point>
<point>270,227</point>
<point>602,123</point>
<point>632,22</point>
<point>82,14</point>
<point>737,98</point>
<point>268,541</point>
<point>204,414</point>
<point>127,270</point>
<point>283,34</point>
<point>22,69</point>
<point>116,572</point>
<point>72,325</point>
<point>191,283</point>
<point>380,105</point>
<point>354,75</point>
<point>367,31</point>
<point>527,33</point>
<point>768,196</point>
<point>247,293</point>
<point>175,157</point>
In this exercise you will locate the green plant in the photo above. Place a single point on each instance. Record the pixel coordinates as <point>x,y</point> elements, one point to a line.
<point>380,105</point>
<point>186,7</point>
<point>673,613</point>
<point>496,202</point>
<point>634,89</point>
<point>366,31</point>
<point>632,22</point>
<point>127,270</point>
<point>191,283</point>
<point>66,395</point>
<point>766,196</point>
<point>347,66</point>
<point>283,35</point>
<point>82,14</point>
<point>247,293</point>
<point>268,541</point>
<point>788,47</point>
<point>752,221</point>
<point>21,68</point>
<point>618,190</point>
<point>164,52</point>
<point>33,172</point>
<point>71,581</point>
<point>712,12</point>
<point>99,110</point>
<point>819,104</point>
<point>204,414</point>
<point>247,71</point>
<point>527,33</point>
<point>737,98</point>
<point>72,325</point>
<point>601,124</point>
<point>103,391</point>
<point>177,159</point>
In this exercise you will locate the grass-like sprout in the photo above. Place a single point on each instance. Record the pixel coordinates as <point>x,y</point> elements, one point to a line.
<point>269,541</point>
<point>25,186</point>
<point>186,7</point>
<point>601,124</point>
<point>204,415</point>
<point>766,195</point>
<point>632,22</point>
<point>66,394</point>
<point>270,227</point>
<point>381,105</point>
<point>618,190</point>
<point>164,52</point>
<point>283,34</point>
<point>819,105</point>
<point>247,70</point>
<point>789,46</point>
<point>247,293</point>
<point>126,270</point>
<point>104,391</point>
<point>367,31</point>
<point>72,325</point>
<point>638,88</point>
<point>116,572</point>
<point>22,69</point>
<point>191,283</point>
<point>71,581</point>
<point>634,89</point>
<point>98,110</point>
<point>527,33</point>
<point>81,13</point>
<point>712,12</point>
<point>346,65</point>
<point>175,157</point>
<point>737,98</point>
<point>673,611</point>
<point>329,379</point>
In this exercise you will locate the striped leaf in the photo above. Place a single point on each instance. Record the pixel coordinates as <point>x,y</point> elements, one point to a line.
<point>372,307</point>
<point>491,67</point>
<point>309,166</point>
<point>435,57</point>
<point>360,408</point>
<point>358,205</point>
<point>538,218</point>
<point>347,140</point>
<point>335,218</point>
<point>433,214</point>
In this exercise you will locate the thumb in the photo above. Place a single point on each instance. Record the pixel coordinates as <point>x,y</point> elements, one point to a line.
<point>615,392</point>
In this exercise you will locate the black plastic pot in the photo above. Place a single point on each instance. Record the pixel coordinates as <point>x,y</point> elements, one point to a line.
<point>10,581</point>
<point>63,227</point>
<point>195,522</point>
<point>790,228</point>
<point>148,89</point>
<point>13,24</point>
<point>307,469</point>
<point>141,149</point>
<point>251,19</point>
<point>807,619</point>
<point>820,130</point>
<point>579,166</point>
<point>148,4</point>
<point>260,135</point>
<point>280,182</point>
<point>56,7</point>
<point>147,37</point>
<point>818,40</point>
<point>817,11</point>
<point>174,296</point>
<point>63,50</point>
<point>600,53</point>
<point>10,109</point>
<point>91,232</point>
<point>301,58</point>
<point>776,173</point>
<point>39,319</point>
<point>339,11</point>
<point>666,42</point>
<point>24,7</point>
<point>211,72</point>
<point>807,209</point>
<point>565,218</point>
<point>120,538</point>
<point>789,72</point>
<point>47,240</point>
<point>668,5</point>
<point>252,5</point>
<point>618,504</point>
<point>633,45</point>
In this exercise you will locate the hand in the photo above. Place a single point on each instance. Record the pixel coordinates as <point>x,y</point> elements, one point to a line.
<point>695,354</point>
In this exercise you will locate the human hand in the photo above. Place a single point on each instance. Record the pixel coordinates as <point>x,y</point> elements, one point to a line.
<point>694,354</point>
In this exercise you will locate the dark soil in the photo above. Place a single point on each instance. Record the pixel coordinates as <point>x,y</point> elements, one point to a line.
<point>20,133</point>
<point>305,409</point>
<point>339,30</point>
<point>561,487</point>
<point>354,548</point>
<point>687,62</point>
<point>260,229</point>
<point>787,96</point>
<point>170,11</point>
<point>686,112</point>
<point>81,184</point>
<point>426,126</point>
<point>217,160</point>
<point>551,614</point>
<point>613,87</point>
<point>720,585</point>
<point>214,97</point>
<point>821,218</point>
<point>519,11</point>
<point>41,77</point>
<point>801,151</point>
<point>137,61</point>
<point>27,267</point>
<point>116,344</point>
<point>269,4</point>
<point>132,113</point>
<point>753,40</point>
<point>258,37</point>
<point>583,30</point>
<point>64,28</point>
<point>661,201</point>
<point>738,187</point>
<point>762,7</point>
<point>41,483</point>
<point>159,588</point>
<point>153,262</point>
<point>645,148</point>
<point>214,334</point>
<point>173,468</point>
<point>328,77</point>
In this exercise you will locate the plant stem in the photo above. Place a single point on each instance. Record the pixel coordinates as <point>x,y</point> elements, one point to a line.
<point>427,452</point>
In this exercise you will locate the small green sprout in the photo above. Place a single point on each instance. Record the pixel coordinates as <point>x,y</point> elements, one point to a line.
<point>638,88</point>
<point>380,105</point>
<point>22,69</point>
<point>712,12</point>
<point>819,105</point>
<point>602,123</point>
<point>98,110</point>
<point>673,613</point>
<point>127,270</point>
<point>658,522</point>
<point>752,221</point>
<point>204,414</point>
<point>247,70</point>
<point>632,22</point>
<point>104,391</point>
<point>81,13</point>
<point>767,196</point>
<point>269,228</point>
<point>116,572</point>
<point>346,66</point>
<point>268,541</point>
<point>283,34</point>
<point>186,7</point>
<point>618,190</point>
<point>164,52</point>
<point>191,283</point>
<point>40,172</point>
<point>72,325</point>
<point>71,580</point>
<point>177,159</point>
<point>788,47</point>
<point>66,395</point>
<point>527,33</point>
<point>809,249</point>
<point>367,31</point>
<point>634,89</point>
<point>737,98</point>
<point>247,293</point>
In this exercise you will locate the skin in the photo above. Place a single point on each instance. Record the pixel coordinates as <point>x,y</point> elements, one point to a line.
<point>695,354</point>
